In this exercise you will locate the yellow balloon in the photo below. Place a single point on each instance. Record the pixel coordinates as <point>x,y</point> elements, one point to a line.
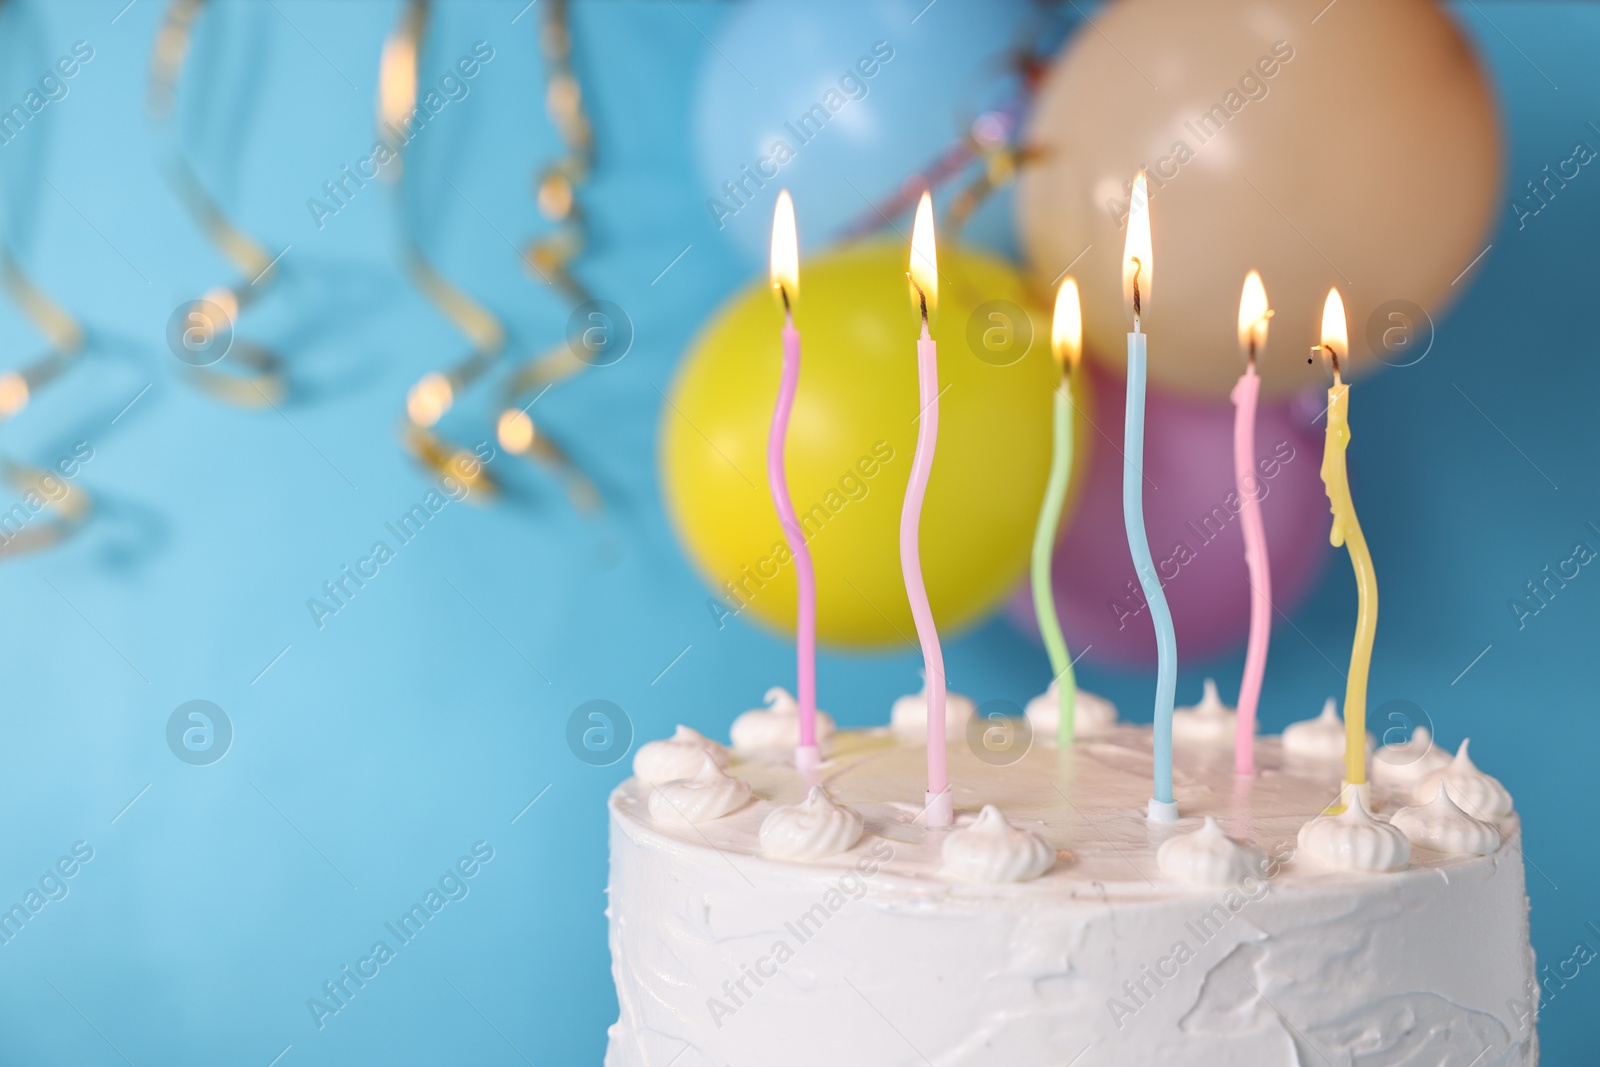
<point>1361,152</point>
<point>851,441</point>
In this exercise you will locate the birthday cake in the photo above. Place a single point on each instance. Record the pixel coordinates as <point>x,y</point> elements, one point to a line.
<point>764,917</point>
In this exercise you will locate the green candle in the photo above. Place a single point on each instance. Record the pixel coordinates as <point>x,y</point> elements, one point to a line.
<point>1066,343</point>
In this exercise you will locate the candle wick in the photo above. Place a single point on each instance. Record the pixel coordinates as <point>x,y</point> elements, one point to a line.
<point>1137,267</point>
<point>783,293</point>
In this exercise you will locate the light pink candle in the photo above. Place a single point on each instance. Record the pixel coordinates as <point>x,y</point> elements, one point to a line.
<point>938,808</point>
<point>1253,315</point>
<point>786,284</point>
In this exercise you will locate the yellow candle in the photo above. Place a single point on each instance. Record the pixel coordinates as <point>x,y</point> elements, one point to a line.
<point>1347,531</point>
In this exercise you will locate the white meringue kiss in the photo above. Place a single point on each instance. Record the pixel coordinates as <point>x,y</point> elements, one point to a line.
<point>710,794</point>
<point>1443,827</point>
<point>1208,856</point>
<point>992,850</point>
<point>676,757</point>
<point>777,726</point>
<point>1354,841</point>
<point>1409,761</point>
<point>1321,738</point>
<point>908,718</point>
<point>1476,793</point>
<point>811,830</point>
<point>1208,722</point>
<point>1092,716</point>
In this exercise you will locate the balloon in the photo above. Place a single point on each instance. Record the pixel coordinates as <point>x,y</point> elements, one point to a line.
<point>851,441</point>
<point>1361,152</point>
<point>859,94</point>
<point>1191,514</point>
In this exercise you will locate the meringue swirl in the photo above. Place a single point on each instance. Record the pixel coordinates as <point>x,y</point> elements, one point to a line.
<point>1208,856</point>
<point>710,794</point>
<point>992,850</point>
<point>908,718</point>
<point>1354,841</point>
<point>676,757</point>
<point>776,726</point>
<point>811,830</point>
<point>1208,722</point>
<point>1092,716</point>
<point>1441,826</point>
<point>1322,738</point>
<point>1409,761</point>
<point>1476,793</point>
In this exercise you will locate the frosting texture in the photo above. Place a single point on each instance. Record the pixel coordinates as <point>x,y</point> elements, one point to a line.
<point>990,849</point>
<point>1476,793</point>
<point>908,718</point>
<point>710,794</point>
<point>1092,716</point>
<point>813,829</point>
<point>1210,722</point>
<point>1443,827</point>
<point>678,756</point>
<point>1208,856</point>
<point>776,727</point>
<point>1355,841</point>
<point>1409,761</point>
<point>1321,738</point>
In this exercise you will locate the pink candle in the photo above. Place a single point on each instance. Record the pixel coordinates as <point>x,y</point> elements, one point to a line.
<point>785,265</point>
<point>939,809</point>
<point>1253,315</point>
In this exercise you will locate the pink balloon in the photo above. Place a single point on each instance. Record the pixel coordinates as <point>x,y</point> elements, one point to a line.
<point>1192,515</point>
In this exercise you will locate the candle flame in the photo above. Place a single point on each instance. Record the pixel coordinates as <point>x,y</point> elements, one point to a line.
<point>1066,326</point>
<point>785,261</point>
<point>1335,335</point>
<point>1253,315</point>
<point>924,270</point>
<point>1138,268</point>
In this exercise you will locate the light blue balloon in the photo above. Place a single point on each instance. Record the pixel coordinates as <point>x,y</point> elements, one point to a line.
<point>840,102</point>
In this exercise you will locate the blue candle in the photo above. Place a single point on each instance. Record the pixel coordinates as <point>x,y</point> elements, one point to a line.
<point>1137,275</point>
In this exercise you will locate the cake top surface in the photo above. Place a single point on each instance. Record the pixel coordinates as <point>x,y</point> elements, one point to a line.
<point>1087,802</point>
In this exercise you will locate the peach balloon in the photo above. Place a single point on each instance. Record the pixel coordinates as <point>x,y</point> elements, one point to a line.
<point>1360,151</point>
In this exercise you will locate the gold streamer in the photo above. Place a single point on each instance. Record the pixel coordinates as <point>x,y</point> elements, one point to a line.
<point>66,339</point>
<point>72,507</point>
<point>249,374</point>
<point>547,259</point>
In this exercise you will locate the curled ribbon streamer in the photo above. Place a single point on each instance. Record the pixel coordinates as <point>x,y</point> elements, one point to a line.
<point>72,507</point>
<point>435,393</point>
<point>250,374</point>
<point>67,340</point>
<point>547,259</point>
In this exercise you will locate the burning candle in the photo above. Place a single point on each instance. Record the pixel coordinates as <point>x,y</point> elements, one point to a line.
<point>1253,316</point>
<point>785,276</point>
<point>939,809</point>
<point>1066,343</point>
<point>1346,531</point>
<point>1137,277</point>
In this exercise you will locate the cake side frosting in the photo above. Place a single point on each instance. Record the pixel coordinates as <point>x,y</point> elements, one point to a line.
<point>882,954</point>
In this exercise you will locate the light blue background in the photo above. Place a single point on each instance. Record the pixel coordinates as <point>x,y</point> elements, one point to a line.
<point>423,718</point>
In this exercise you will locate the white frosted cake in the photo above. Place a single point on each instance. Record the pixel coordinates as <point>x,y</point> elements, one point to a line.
<point>757,921</point>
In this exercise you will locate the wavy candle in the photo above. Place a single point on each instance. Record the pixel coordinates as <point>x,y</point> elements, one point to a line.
<point>1346,531</point>
<point>1253,316</point>
<point>785,267</point>
<point>1137,276</point>
<point>939,809</point>
<point>1066,343</point>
